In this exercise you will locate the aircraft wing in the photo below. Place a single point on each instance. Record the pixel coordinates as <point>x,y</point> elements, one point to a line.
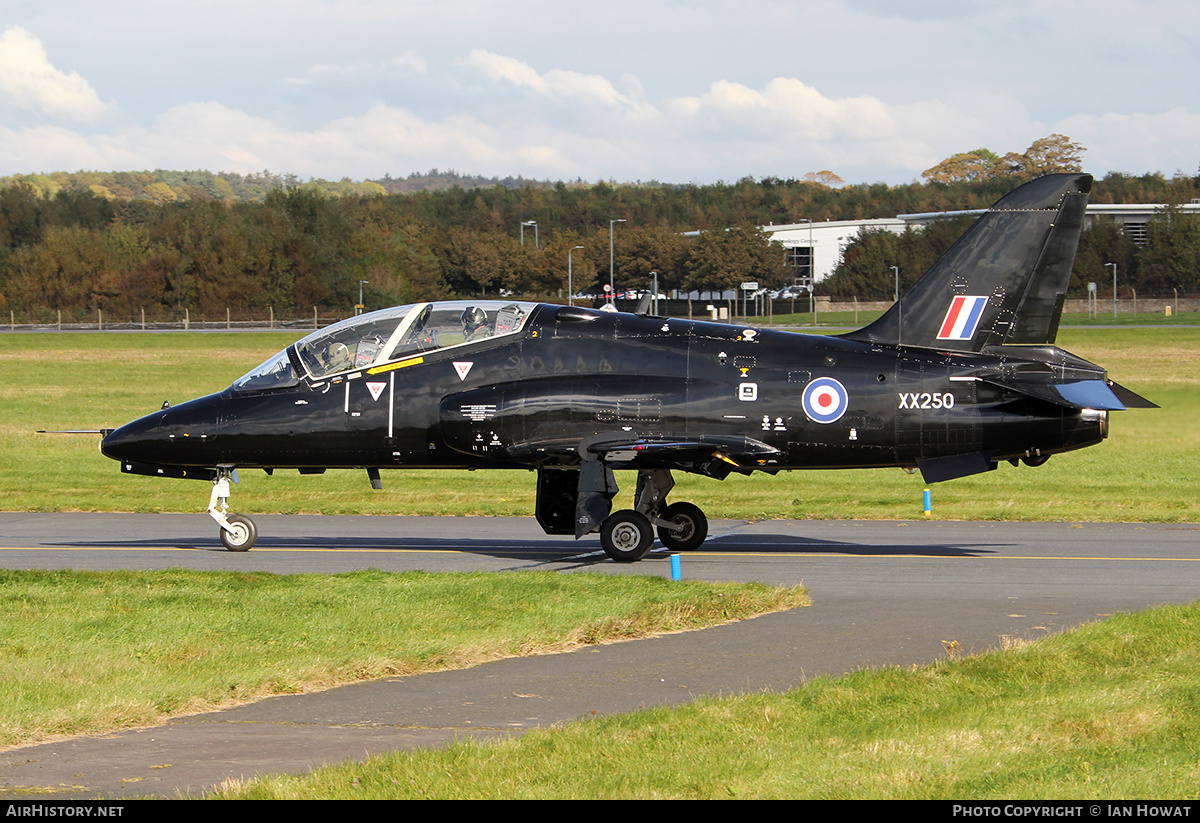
<point>568,418</point>
<point>711,455</point>
<point>586,424</point>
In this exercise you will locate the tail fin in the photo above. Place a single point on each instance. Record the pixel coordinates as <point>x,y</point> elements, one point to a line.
<point>1004,281</point>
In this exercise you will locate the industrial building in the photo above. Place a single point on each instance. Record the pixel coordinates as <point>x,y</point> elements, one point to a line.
<point>814,249</point>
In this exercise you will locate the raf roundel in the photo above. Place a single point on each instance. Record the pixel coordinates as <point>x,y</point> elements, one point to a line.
<point>824,400</point>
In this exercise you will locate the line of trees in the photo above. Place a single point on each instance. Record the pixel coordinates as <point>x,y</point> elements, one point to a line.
<point>78,252</point>
<point>70,243</point>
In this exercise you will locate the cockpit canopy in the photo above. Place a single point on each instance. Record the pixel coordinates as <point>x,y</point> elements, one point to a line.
<point>386,336</point>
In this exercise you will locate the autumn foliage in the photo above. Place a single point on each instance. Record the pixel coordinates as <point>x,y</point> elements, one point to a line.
<point>166,242</point>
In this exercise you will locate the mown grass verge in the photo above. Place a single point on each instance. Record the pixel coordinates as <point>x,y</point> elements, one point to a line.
<point>92,651</point>
<point>1111,710</point>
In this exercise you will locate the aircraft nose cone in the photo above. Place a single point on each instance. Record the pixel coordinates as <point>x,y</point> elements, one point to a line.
<point>133,441</point>
<point>182,435</point>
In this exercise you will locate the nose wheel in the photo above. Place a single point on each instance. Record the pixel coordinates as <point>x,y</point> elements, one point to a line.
<point>238,533</point>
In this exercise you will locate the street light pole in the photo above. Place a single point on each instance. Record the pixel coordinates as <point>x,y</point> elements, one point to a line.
<point>358,309</point>
<point>896,272</point>
<point>1114,268</point>
<point>533,223</point>
<point>570,287</point>
<point>611,279</point>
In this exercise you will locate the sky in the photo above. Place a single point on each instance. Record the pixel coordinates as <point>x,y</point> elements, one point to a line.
<point>695,92</point>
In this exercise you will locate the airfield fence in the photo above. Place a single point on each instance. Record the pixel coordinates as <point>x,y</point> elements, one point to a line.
<point>699,309</point>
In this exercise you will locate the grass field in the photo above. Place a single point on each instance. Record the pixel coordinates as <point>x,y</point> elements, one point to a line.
<point>93,651</point>
<point>1146,471</point>
<point>1110,710</point>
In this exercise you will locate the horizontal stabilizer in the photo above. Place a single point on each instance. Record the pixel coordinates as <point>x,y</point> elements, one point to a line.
<point>1075,394</point>
<point>1089,394</point>
<point>1131,399</point>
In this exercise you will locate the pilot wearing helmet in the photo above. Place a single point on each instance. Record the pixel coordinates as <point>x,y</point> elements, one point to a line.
<point>475,324</point>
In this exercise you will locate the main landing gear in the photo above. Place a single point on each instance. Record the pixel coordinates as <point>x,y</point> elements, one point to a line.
<point>628,534</point>
<point>578,501</point>
<point>238,533</point>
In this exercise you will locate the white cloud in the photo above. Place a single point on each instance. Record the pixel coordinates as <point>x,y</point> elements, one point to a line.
<point>367,113</point>
<point>785,128</point>
<point>1137,143</point>
<point>557,84</point>
<point>383,139</point>
<point>412,61</point>
<point>358,72</point>
<point>787,109</point>
<point>52,148</point>
<point>29,81</point>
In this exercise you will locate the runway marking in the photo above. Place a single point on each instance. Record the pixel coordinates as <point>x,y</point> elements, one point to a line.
<point>215,550</point>
<point>660,553</point>
<point>863,556</point>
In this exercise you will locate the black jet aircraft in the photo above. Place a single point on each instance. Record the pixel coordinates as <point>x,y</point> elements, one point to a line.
<point>957,376</point>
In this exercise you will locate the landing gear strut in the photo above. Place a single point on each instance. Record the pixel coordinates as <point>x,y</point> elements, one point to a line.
<point>238,533</point>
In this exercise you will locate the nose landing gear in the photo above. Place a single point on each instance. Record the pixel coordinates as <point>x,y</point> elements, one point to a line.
<point>238,533</point>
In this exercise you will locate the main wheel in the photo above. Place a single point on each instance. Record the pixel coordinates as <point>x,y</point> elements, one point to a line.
<point>243,535</point>
<point>626,536</point>
<point>692,527</point>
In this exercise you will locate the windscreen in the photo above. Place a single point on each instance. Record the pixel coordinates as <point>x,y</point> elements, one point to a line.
<point>406,331</point>
<point>275,373</point>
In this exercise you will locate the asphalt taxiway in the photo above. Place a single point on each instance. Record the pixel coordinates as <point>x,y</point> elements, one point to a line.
<point>884,593</point>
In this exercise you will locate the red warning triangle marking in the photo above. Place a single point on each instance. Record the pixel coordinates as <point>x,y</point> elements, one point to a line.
<point>462,367</point>
<point>376,389</point>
